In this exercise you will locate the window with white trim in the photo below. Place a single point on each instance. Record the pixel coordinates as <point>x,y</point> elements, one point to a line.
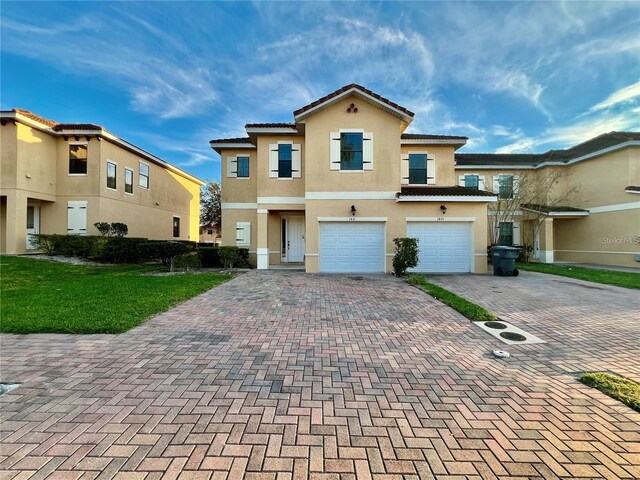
<point>77,159</point>
<point>143,174</point>
<point>418,168</point>
<point>128,180</point>
<point>285,160</point>
<point>242,165</point>
<point>471,180</point>
<point>505,185</point>
<point>351,150</point>
<point>243,234</point>
<point>111,175</point>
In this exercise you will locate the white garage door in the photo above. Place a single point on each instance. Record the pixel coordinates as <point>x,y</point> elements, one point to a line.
<point>352,247</point>
<point>444,246</point>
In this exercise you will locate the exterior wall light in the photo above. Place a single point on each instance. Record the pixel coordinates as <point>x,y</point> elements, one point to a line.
<point>443,209</point>
<point>353,210</point>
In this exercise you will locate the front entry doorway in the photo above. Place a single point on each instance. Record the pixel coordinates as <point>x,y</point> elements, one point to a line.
<point>33,224</point>
<point>293,239</point>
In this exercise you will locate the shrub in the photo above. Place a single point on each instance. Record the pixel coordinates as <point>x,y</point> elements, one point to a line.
<point>103,227</point>
<point>406,256</point>
<point>209,257</point>
<point>228,256</point>
<point>119,229</point>
<point>188,261</point>
<point>243,258</point>
<point>122,249</point>
<point>45,242</point>
<point>165,252</point>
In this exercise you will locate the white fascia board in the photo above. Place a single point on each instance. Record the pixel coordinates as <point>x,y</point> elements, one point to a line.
<point>350,195</point>
<point>495,167</point>
<point>281,200</point>
<point>568,214</point>
<point>268,130</point>
<point>632,191</point>
<point>442,218</point>
<point>232,145</point>
<point>357,91</point>
<point>432,142</point>
<point>446,198</point>
<point>353,219</point>
<point>615,208</point>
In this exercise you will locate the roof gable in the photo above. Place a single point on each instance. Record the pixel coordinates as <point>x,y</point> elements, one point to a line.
<point>359,91</point>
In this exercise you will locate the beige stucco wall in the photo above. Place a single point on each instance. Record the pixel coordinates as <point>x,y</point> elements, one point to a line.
<point>229,219</point>
<point>35,169</point>
<point>444,161</point>
<point>279,187</point>
<point>396,224</point>
<point>385,175</point>
<point>239,190</point>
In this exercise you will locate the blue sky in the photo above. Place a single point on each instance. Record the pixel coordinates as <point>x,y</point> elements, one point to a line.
<point>513,77</point>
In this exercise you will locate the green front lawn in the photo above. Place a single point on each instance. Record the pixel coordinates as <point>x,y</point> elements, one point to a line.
<point>40,296</point>
<point>608,277</point>
<point>622,389</point>
<point>469,309</point>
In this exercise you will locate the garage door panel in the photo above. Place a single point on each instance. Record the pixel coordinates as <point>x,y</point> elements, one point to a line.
<point>443,247</point>
<point>347,247</point>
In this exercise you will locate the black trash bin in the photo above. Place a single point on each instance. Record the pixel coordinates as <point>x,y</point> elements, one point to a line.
<point>504,260</point>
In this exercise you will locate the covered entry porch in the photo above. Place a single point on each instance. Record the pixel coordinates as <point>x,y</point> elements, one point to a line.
<point>23,215</point>
<point>281,238</point>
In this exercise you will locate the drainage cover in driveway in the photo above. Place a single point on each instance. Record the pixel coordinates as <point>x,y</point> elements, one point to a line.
<point>508,333</point>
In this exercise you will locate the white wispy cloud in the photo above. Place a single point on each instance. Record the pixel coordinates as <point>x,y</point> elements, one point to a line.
<point>624,95</point>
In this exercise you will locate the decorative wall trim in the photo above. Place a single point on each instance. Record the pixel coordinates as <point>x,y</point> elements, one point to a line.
<point>281,200</point>
<point>440,219</point>
<point>239,206</point>
<point>353,219</point>
<point>603,252</point>
<point>447,198</point>
<point>263,210</point>
<point>351,195</point>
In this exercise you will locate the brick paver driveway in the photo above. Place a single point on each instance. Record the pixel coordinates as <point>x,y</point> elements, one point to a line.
<point>286,375</point>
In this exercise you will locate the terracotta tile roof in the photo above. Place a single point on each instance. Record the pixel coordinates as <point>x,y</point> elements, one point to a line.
<point>33,116</point>
<point>552,209</point>
<point>270,125</point>
<point>601,142</point>
<point>76,126</point>
<point>428,136</point>
<point>231,140</point>
<point>349,87</point>
<point>436,191</point>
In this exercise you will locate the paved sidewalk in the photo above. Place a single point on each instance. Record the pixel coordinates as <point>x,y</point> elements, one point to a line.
<point>284,375</point>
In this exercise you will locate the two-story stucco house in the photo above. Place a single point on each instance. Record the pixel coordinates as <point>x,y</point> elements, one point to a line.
<point>62,178</point>
<point>335,187</point>
<point>599,220</point>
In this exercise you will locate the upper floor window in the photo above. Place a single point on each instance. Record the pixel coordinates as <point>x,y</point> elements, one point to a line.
<point>176,227</point>
<point>284,160</point>
<point>143,174</point>
<point>128,180</point>
<point>351,151</point>
<point>505,186</point>
<point>418,168</point>
<point>243,167</point>
<point>471,181</point>
<point>111,175</point>
<point>77,159</point>
<point>506,234</point>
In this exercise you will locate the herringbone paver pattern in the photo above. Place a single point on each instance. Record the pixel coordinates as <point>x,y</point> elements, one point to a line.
<point>282,375</point>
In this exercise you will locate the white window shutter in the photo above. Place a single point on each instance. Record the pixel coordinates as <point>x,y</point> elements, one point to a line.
<point>334,153</point>
<point>496,184</point>
<point>232,167</point>
<point>516,233</point>
<point>243,234</point>
<point>516,185</point>
<point>461,180</point>
<point>404,170</point>
<point>367,151</point>
<point>481,182</point>
<point>296,161</point>
<point>273,160</point>
<point>77,218</point>
<point>431,171</point>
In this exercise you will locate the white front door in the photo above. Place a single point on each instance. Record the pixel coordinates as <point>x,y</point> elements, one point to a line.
<point>33,224</point>
<point>444,246</point>
<point>295,239</point>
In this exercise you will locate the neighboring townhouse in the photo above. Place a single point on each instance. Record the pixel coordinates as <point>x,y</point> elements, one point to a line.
<point>209,234</point>
<point>331,190</point>
<point>62,178</point>
<point>598,221</point>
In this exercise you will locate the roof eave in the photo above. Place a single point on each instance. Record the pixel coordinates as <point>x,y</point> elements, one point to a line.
<point>447,198</point>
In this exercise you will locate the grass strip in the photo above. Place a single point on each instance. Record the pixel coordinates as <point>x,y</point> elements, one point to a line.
<point>622,389</point>
<point>607,277</point>
<point>469,309</point>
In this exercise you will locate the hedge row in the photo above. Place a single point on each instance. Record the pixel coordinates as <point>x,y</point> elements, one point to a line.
<point>135,250</point>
